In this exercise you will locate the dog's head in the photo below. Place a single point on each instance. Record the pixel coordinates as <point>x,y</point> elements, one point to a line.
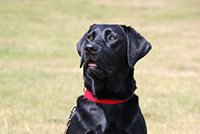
<point>110,51</point>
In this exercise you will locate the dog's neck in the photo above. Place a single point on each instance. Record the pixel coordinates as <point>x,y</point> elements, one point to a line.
<point>119,86</point>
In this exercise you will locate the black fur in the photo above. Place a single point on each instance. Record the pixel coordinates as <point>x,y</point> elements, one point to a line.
<point>114,49</point>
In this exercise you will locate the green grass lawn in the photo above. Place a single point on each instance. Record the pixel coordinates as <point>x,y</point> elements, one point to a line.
<point>40,77</point>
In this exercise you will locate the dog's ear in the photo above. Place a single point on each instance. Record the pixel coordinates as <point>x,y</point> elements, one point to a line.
<point>137,46</point>
<point>80,47</point>
<point>81,44</point>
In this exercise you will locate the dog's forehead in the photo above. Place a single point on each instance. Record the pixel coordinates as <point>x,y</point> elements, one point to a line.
<point>103,27</point>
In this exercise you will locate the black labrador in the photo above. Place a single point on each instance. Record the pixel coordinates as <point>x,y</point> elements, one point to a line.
<point>109,106</point>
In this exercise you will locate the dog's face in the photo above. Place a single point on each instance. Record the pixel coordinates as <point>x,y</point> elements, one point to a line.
<point>104,50</point>
<point>107,50</point>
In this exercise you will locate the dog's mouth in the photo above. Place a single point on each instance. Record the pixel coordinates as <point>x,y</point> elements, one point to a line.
<point>98,70</point>
<point>92,64</point>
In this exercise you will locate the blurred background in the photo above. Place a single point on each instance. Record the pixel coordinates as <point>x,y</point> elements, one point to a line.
<point>40,78</point>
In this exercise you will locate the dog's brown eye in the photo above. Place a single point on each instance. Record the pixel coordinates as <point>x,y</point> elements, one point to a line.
<point>90,38</point>
<point>112,38</point>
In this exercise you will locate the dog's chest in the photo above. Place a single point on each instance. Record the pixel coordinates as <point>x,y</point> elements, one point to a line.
<point>97,117</point>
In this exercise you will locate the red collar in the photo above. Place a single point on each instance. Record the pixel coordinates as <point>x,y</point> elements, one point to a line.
<point>89,96</point>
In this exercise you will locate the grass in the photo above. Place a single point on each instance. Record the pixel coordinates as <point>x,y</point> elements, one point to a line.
<point>40,77</point>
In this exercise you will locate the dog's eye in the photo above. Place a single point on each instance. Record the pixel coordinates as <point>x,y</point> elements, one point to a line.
<point>112,38</point>
<point>90,38</point>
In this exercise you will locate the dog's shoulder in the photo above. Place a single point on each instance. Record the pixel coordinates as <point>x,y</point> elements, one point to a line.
<point>87,107</point>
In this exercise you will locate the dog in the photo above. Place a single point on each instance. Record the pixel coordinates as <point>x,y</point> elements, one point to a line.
<point>108,55</point>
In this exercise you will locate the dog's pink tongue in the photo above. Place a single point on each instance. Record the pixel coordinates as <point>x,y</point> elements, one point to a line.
<point>92,64</point>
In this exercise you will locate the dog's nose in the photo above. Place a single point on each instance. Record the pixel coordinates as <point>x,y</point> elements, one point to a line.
<point>90,48</point>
